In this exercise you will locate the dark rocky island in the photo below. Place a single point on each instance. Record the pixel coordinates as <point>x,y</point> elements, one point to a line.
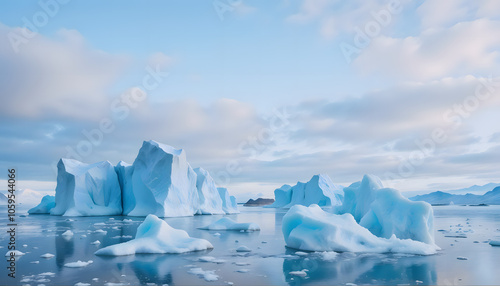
<point>258,202</point>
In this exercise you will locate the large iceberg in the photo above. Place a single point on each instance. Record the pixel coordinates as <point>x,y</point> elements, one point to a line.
<point>210,202</point>
<point>228,202</point>
<point>87,190</point>
<point>312,229</point>
<point>162,183</point>
<point>319,190</point>
<point>385,212</point>
<point>159,182</point>
<point>48,203</point>
<point>154,235</point>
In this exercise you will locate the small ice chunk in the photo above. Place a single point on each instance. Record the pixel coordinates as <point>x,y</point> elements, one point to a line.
<point>206,259</point>
<point>99,223</point>
<point>47,274</point>
<point>243,249</point>
<point>301,273</point>
<point>97,242</point>
<point>83,235</point>
<point>208,275</point>
<point>301,253</point>
<point>462,258</point>
<point>242,263</point>
<point>35,262</point>
<point>67,233</point>
<point>127,220</point>
<point>25,245</point>
<point>82,284</point>
<point>101,231</point>
<point>495,242</point>
<point>14,253</point>
<point>78,264</point>
<point>47,255</point>
<point>216,234</point>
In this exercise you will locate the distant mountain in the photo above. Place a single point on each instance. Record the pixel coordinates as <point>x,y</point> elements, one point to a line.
<point>476,190</point>
<point>258,202</point>
<point>491,198</point>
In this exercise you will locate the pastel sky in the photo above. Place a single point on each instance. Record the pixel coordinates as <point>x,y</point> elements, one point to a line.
<point>259,93</point>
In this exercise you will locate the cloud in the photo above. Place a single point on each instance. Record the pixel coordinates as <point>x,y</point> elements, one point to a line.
<point>55,77</point>
<point>465,48</point>
<point>334,17</point>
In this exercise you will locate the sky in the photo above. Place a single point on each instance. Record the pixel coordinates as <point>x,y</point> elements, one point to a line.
<point>259,93</point>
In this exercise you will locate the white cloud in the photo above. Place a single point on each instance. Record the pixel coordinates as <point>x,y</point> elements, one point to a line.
<point>335,17</point>
<point>55,77</point>
<point>465,48</point>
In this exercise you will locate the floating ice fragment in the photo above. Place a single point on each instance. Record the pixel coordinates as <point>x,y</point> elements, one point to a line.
<point>14,253</point>
<point>301,273</point>
<point>78,264</point>
<point>243,249</point>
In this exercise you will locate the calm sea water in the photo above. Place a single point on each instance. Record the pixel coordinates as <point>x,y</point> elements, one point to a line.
<point>269,263</point>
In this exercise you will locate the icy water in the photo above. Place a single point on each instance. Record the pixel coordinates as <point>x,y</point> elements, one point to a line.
<point>269,263</point>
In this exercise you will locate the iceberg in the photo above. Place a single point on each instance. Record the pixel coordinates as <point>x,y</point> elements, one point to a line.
<point>210,202</point>
<point>162,183</point>
<point>226,223</point>
<point>87,190</point>
<point>48,202</point>
<point>124,172</point>
<point>320,190</point>
<point>282,197</point>
<point>154,235</point>
<point>312,229</point>
<point>385,212</point>
<point>228,202</point>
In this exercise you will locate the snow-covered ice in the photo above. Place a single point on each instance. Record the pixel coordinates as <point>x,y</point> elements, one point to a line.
<point>154,235</point>
<point>86,190</point>
<point>319,190</point>
<point>210,202</point>
<point>228,202</point>
<point>385,212</point>
<point>48,202</point>
<point>226,223</point>
<point>312,229</point>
